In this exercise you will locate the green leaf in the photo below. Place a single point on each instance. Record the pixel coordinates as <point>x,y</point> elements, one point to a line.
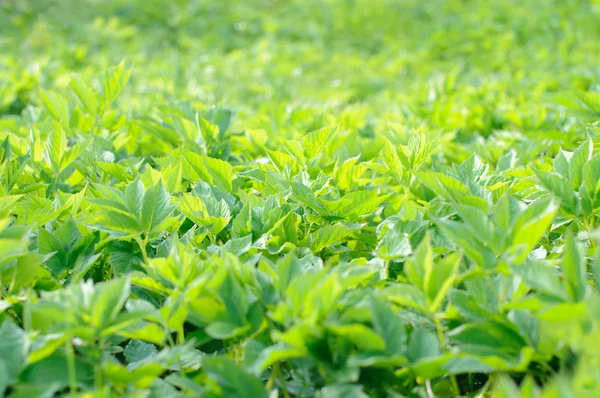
<point>4,380</point>
<point>530,225</point>
<point>418,268</point>
<point>56,105</point>
<point>109,299</point>
<point>134,197</point>
<point>389,156</point>
<point>467,240</point>
<point>561,188</point>
<point>488,337</point>
<point>573,267</point>
<point>423,344</point>
<point>394,244</point>
<point>478,221</point>
<point>85,94</point>
<point>560,164</point>
<point>213,171</point>
<point>208,130</point>
<point>580,157</point>
<point>441,278</point>
<point>305,196</point>
<point>363,337</point>
<point>273,354</point>
<point>507,161</point>
<point>138,351</point>
<point>44,346</point>
<point>389,326</point>
<point>56,146</point>
<point>53,373</point>
<point>156,208</point>
<point>591,175</point>
<point>326,236</point>
<point>12,352</point>
<point>115,223</point>
<point>542,277</point>
<point>343,391</point>
<point>315,141</point>
<point>232,380</point>
<point>113,81</point>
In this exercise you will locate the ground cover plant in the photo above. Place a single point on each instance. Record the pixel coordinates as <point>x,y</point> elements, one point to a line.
<point>339,198</point>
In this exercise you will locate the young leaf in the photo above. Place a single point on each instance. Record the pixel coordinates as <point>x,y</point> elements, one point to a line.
<point>85,94</point>
<point>156,208</point>
<point>56,105</point>
<point>573,267</point>
<point>56,146</point>
<point>580,157</point>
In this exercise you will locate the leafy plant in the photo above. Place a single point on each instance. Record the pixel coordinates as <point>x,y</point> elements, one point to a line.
<point>299,199</point>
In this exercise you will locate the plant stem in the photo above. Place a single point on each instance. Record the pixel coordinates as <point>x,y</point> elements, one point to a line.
<point>71,365</point>
<point>283,386</point>
<point>98,374</point>
<point>387,270</point>
<point>180,335</point>
<point>172,344</point>
<point>272,377</point>
<point>142,244</point>
<point>440,333</point>
<point>485,388</point>
<point>428,388</point>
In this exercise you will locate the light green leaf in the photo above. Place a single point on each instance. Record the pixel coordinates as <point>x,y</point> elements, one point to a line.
<point>363,337</point>
<point>530,225</point>
<point>113,81</point>
<point>573,267</point>
<point>325,237</point>
<point>85,94</point>
<point>56,105</point>
<point>580,157</point>
<point>389,156</point>
<point>156,208</point>
<point>109,299</point>
<point>56,146</point>
<point>315,141</point>
<point>561,188</point>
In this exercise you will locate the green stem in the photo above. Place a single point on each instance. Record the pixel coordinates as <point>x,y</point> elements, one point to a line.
<point>9,311</point>
<point>143,244</point>
<point>387,270</point>
<point>172,344</point>
<point>440,333</point>
<point>455,385</point>
<point>71,365</point>
<point>277,374</point>
<point>98,374</point>
<point>428,389</point>
<point>272,377</point>
<point>180,336</point>
<point>283,386</point>
<point>14,315</point>
<point>486,387</point>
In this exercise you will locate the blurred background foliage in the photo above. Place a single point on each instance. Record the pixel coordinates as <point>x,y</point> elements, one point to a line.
<point>286,67</point>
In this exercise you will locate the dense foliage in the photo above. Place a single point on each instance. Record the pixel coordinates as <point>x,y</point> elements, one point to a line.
<point>339,198</point>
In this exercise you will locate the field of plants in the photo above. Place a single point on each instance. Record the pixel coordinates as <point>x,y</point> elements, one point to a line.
<point>299,198</point>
